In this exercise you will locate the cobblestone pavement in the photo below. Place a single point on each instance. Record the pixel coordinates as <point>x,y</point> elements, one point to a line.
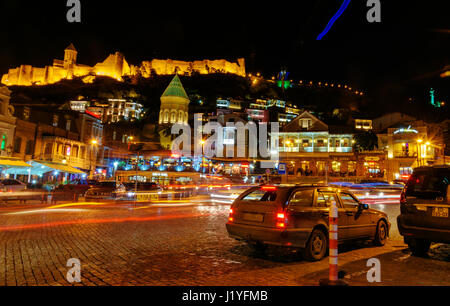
<point>176,245</point>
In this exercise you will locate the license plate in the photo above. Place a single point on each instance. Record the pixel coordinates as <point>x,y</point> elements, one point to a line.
<point>253,217</point>
<point>147,197</point>
<point>440,212</point>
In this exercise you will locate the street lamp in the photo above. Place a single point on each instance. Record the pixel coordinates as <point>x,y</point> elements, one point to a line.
<point>202,142</point>
<point>115,164</point>
<point>94,142</point>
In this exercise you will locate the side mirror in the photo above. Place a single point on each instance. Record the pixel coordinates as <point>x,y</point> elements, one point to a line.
<point>363,206</point>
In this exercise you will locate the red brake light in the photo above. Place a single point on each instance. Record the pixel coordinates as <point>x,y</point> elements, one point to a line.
<point>281,220</point>
<point>269,188</point>
<point>230,219</point>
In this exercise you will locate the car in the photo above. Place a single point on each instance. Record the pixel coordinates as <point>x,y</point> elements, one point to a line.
<point>79,186</point>
<point>12,185</point>
<point>142,186</point>
<point>297,217</point>
<point>106,190</point>
<point>142,191</point>
<point>424,209</point>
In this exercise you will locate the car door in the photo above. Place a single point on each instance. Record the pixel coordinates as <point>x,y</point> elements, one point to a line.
<point>301,210</point>
<point>358,221</point>
<point>322,207</point>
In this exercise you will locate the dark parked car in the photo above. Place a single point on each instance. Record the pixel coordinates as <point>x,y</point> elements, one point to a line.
<point>12,185</point>
<point>424,207</point>
<point>106,190</point>
<point>78,186</point>
<point>297,216</point>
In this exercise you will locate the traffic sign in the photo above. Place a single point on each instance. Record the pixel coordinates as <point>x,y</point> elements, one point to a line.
<point>282,168</point>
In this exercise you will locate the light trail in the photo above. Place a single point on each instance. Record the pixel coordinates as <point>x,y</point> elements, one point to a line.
<point>334,18</point>
<point>97,221</point>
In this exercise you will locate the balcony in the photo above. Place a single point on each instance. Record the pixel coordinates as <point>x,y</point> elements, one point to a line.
<point>70,160</point>
<point>316,149</point>
<point>402,154</point>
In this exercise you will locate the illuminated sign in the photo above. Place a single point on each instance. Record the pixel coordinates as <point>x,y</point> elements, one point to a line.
<point>159,174</point>
<point>407,130</point>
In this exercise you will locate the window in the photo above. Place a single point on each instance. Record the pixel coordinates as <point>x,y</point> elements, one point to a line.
<point>302,198</point>
<point>320,143</point>
<point>428,184</point>
<point>348,201</point>
<point>48,148</point>
<point>325,199</point>
<point>55,120</point>
<point>260,195</point>
<point>337,143</point>
<point>305,123</point>
<point>17,144</point>
<point>351,166</point>
<point>26,113</point>
<point>305,143</point>
<point>336,166</point>
<point>29,147</point>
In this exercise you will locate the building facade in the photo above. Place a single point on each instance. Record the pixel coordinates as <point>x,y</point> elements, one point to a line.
<point>7,122</point>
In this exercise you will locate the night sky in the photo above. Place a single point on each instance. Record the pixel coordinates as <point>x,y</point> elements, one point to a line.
<point>413,38</point>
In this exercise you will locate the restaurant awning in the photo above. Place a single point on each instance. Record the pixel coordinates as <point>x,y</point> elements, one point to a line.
<point>58,167</point>
<point>41,167</point>
<point>7,162</point>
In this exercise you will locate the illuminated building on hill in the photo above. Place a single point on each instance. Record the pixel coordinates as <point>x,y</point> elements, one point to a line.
<point>114,66</point>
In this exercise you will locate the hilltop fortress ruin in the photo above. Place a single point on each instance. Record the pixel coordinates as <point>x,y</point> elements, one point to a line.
<point>114,66</point>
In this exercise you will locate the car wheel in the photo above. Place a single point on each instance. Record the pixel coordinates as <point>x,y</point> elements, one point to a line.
<point>317,246</point>
<point>419,247</point>
<point>381,234</point>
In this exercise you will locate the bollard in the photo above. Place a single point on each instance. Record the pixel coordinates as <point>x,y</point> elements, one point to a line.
<point>333,279</point>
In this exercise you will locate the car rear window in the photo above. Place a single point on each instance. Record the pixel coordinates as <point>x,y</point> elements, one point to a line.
<point>261,195</point>
<point>428,184</point>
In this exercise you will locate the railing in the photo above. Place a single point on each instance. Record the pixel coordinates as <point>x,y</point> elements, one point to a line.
<point>315,149</point>
<point>402,154</point>
<point>70,160</point>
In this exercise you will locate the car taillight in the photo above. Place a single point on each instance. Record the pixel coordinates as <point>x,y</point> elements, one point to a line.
<point>230,217</point>
<point>281,220</point>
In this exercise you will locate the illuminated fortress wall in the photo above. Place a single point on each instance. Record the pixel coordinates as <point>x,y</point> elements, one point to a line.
<point>169,66</point>
<point>114,66</point>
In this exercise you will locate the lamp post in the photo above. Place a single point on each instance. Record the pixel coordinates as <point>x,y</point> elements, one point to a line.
<point>419,141</point>
<point>115,164</point>
<point>94,142</point>
<point>203,145</point>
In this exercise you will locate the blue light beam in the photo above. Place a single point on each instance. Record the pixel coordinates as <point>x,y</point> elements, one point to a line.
<point>334,18</point>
